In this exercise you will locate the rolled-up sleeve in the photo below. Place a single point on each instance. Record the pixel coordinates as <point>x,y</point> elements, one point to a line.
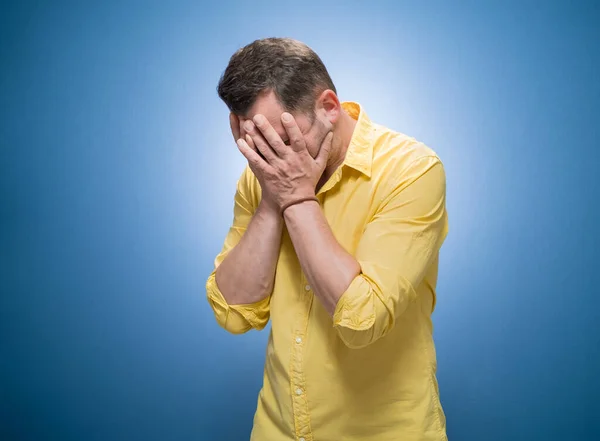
<point>237,319</point>
<point>395,251</point>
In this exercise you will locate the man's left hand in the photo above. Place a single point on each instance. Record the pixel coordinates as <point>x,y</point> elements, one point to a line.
<point>288,173</point>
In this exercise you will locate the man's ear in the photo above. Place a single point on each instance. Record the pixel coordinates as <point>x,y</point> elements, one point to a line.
<point>234,122</point>
<point>329,104</point>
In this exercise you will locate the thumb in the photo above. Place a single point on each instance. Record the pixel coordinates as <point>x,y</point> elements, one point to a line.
<point>325,151</point>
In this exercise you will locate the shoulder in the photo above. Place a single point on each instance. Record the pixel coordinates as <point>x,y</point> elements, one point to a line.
<point>400,159</point>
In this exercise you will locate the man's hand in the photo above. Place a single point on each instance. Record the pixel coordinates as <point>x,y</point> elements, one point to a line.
<point>287,173</point>
<point>238,131</point>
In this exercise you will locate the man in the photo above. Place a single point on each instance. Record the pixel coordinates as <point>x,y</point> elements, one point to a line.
<point>337,226</point>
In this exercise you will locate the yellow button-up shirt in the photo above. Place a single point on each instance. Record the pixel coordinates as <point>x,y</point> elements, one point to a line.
<point>368,373</point>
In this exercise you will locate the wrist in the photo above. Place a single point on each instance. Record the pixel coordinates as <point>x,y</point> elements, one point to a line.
<point>268,208</point>
<point>299,204</point>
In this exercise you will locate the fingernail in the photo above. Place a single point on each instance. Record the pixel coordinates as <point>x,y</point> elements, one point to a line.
<point>259,119</point>
<point>248,126</point>
<point>286,117</point>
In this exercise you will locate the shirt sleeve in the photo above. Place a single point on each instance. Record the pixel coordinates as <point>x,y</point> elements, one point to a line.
<point>397,247</point>
<point>237,319</point>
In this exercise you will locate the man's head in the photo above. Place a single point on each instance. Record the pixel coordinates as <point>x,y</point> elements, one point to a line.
<point>276,75</point>
<point>288,68</point>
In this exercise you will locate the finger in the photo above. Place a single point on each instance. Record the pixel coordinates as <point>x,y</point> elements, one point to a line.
<point>324,151</point>
<point>254,160</point>
<point>251,144</point>
<point>270,135</point>
<point>261,145</point>
<point>296,137</point>
<point>234,122</point>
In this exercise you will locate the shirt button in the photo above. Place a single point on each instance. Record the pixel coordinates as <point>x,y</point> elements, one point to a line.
<point>298,340</point>
<point>306,287</point>
<point>298,391</point>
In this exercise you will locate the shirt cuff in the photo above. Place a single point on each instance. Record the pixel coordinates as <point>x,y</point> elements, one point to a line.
<point>367,310</point>
<point>237,319</point>
<point>355,309</point>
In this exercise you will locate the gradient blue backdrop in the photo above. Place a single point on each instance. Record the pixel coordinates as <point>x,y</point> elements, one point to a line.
<point>116,182</point>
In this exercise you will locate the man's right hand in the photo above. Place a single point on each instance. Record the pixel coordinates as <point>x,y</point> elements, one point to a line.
<point>237,130</point>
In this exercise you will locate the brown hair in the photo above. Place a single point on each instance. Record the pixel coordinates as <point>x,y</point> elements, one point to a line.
<point>289,68</point>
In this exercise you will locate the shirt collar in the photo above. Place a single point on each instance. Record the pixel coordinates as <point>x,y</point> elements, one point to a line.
<point>359,155</point>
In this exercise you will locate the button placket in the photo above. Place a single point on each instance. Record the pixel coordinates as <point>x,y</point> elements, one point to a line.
<point>298,388</point>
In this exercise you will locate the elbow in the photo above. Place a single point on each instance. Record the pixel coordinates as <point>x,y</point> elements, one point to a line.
<point>233,329</point>
<point>358,337</point>
<point>356,340</point>
<point>363,314</point>
<point>360,327</point>
<point>227,319</point>
<point>236,319</point>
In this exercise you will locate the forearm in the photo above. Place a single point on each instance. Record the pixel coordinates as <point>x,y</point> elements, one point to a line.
<point>247,274</point>
<point>328,267</point>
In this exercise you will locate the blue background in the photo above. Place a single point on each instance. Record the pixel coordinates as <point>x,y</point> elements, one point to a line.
<point>117,175</point>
